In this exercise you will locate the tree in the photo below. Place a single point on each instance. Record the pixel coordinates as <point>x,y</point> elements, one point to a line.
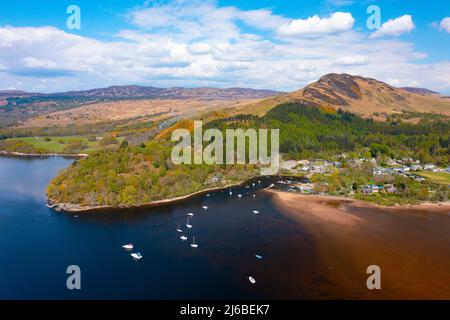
<point>124,144</point>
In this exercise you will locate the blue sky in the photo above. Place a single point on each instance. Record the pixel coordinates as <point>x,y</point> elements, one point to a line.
<point>280,45</point>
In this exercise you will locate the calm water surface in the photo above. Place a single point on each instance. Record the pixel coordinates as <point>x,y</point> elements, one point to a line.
<point>37,244</point>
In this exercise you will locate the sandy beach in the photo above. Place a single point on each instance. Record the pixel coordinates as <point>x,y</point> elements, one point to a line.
<point>411,244</point>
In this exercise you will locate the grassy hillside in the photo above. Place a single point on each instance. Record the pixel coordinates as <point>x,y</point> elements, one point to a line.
<point>59,144</point>
<point>364,96</point>
<point>307,131</point>
<point>437,177</point>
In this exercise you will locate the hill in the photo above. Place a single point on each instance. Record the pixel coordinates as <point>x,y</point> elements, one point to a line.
<point>17,106</point>
<point>141,174</point>
<point>421,91</point>
<point>364,96</point>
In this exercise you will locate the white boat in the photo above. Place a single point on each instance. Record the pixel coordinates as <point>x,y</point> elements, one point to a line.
<point>254,195</point>
<point>188,225</point>
<point>253,184</point>
<point>252,280</point>
<point>239,195</point>
<point>258,256</point>
<point>205,207</point>
<point>179,229</point>
<point>137,255</point>
<point>208,195</point>
<point>184,238</point>
<point>193,244</point>
<point>190,214</point>
<point>255,211</point>
<point>128,246</point>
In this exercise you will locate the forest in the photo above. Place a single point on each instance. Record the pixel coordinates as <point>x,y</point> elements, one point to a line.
<point>138,174</point>
<point>309,132</point>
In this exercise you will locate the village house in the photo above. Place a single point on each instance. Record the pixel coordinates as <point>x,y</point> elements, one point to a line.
<point>371,188</point>
<point>304,187</point>
<point>390,188</point>
<point>392,162</point>
<point>366,190</point>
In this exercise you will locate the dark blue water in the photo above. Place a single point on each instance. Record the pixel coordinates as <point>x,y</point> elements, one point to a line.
<point>38,244</point>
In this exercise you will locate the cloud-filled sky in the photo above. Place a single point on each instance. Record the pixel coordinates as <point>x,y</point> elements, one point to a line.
<point>281,45</point>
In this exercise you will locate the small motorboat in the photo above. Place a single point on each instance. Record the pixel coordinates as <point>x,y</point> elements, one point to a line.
<point>193,244</point>
<point>136,255</point>
<point>252,280</point>
<point>254,195</point>
<point>190,214</point>
<point>179,229</point>
<point>205,207</point>
<point>184,238</point>
<point>208,195</point>
<point>258,257</point>
<point>239,195</point>
<point>128,246</point>
<point>255,211</point>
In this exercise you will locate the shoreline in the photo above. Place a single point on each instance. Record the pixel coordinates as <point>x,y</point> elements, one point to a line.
<point>35,155</point>
<point>69,207</point>
<point>362,203</point>
<point>348,235</point>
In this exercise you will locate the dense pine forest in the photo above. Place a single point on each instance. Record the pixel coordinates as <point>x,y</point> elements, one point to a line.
<point>309,132</point>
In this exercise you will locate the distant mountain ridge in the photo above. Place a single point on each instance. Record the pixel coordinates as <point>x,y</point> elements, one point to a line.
<point>421,91</point>
<point>18,106</point>
<point>136,91</point>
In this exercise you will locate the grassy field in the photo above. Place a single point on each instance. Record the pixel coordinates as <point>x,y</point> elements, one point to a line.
<point>57,144</point>
<point>437,177</point>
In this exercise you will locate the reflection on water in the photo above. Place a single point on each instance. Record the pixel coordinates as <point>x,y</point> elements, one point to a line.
<point>38,244</point>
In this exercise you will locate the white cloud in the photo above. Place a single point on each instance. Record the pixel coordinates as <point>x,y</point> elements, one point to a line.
<point>205,45</point>
<point>313,26</point>
<point>353,60</point>
<point>395,27</point>
<point>394,82</point>
<point>338,3</point>
<point>197,19</point>
<point>445,24</point>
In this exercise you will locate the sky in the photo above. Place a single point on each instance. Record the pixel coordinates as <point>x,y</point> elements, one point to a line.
<point>46,46</point>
